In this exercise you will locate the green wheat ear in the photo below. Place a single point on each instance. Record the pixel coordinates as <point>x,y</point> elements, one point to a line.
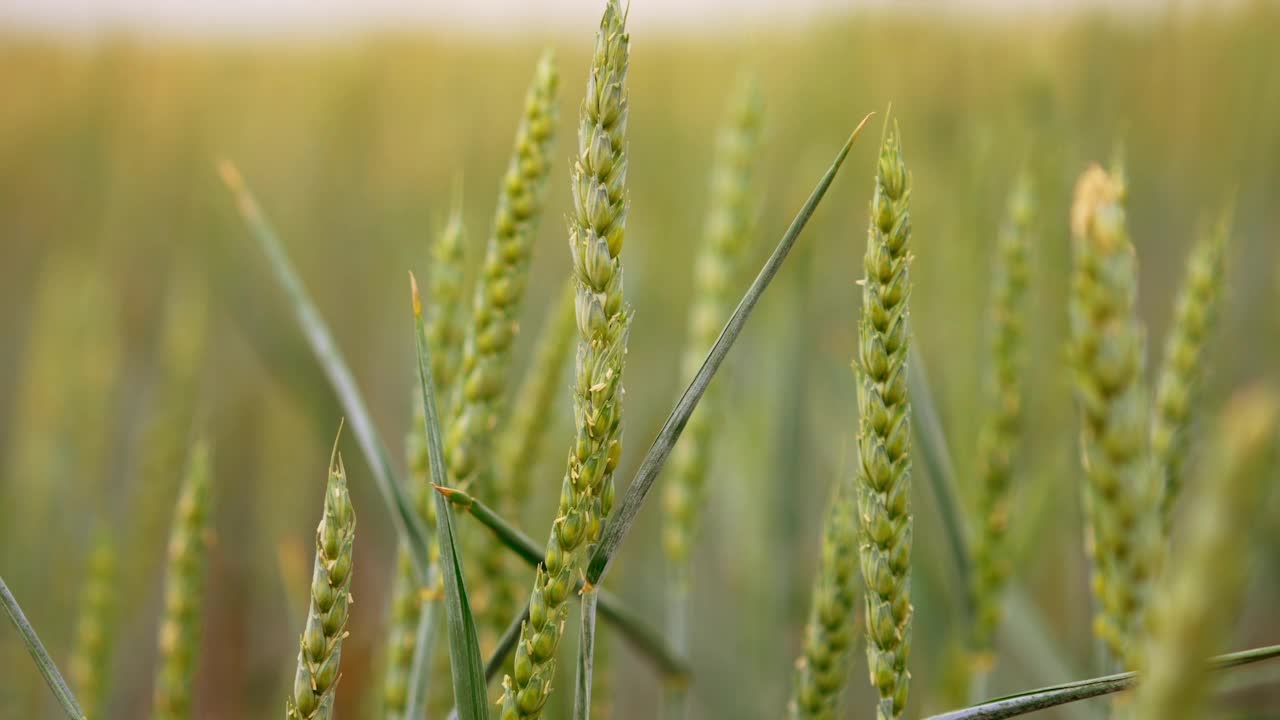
<point>320,647</point>
<point>179,637</point>
<point>823,669</point>
<point>999,436</point>
<point>1201,595</point>
<point>884,431</point>
<point>596,231</point>
<point>725,235</point>
<point>1182,369</point>
<point>89,668</point>
<point>1107,351</point>
<point>409,598</point>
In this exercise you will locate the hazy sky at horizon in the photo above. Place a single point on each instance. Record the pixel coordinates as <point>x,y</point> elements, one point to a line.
<point>237,17</point>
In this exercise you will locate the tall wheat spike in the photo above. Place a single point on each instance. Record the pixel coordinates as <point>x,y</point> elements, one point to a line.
<point>596,230</point>
<point>1182,369</point>
<point>478,395</point>
<point>409,598</point>
<point>90,665</point>
<point>724,237</point>
<point>179,637</point>
<point>884,431</point>
<point>999,436</point>
<point>1107,349</point>
<point>1201,595</point>
<point>320,646</point>
<point>822,670</point>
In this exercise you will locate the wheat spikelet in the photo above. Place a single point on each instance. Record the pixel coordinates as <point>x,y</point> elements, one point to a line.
<point>1107,349</point>
<point>408,596</point>
<point>1182,368</point>
<point>884,431</point>
<point>179,637</point>
<point>1200,597</point>
<point>88,670</point>
<point>724,237</point>
<point>320,646</point>
<point>999,434</point>
<point>596,229</point>
<point>823,670</point>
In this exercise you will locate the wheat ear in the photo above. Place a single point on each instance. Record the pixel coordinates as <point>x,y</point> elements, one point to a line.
<point>596,229</point>
<point>884,431</point>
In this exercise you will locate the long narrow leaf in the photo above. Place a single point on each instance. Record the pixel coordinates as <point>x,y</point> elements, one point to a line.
<point>1042,698</point>
<point>625,516</point>
<point>469,692</point>
<point>647,641</point>
<point>41,656</point>
<point>410,527</point>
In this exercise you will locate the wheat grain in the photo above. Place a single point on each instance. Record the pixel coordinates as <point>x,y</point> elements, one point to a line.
<point>1199,598</point>
<point>884,431</point>
<point>823,670</point>
<point>179,637</point>
<point>1107,351</point>
<point>596,230</point>
<point>1182,368</point>
<point>320,646</point>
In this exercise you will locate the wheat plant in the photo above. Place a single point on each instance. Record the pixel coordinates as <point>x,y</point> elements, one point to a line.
<point>884,431</point>
<point>179,637</point>
<point>822,670</point>
<point>1182,367</point>
<point>90,665</point>
<point>1201,596</point>
<point>596,230</point>
<point>320,646</point>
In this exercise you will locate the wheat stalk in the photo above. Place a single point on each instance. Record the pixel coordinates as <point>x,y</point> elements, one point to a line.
<point>1201,596</point>
<point>320,646</point>
<point>596,229</point>
<point>999,435</point>
<point>884,431</point>
<point>179,637</point>
<point>823,670</point>
<point>89,666</point>
<point>1182,368</point>
<point>1107,350</point>
<point>409,597</point>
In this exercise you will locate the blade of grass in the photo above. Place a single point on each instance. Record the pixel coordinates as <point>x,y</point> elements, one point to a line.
<point>1042,698</point>
<point>41,656</point>
<point>586,655</point>
<point>408,524</point>
<point>625,516</point>
<point>648,641</point>
<point>469,693</point>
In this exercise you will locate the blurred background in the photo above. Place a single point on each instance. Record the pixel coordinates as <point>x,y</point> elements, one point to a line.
<point>136,313</point>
